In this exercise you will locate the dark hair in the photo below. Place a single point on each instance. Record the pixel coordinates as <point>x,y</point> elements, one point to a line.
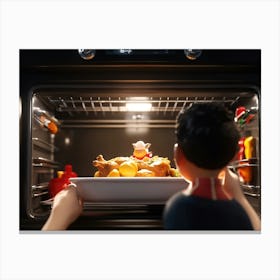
<point>207,135</point>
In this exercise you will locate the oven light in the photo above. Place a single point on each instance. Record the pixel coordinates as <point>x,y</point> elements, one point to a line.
<point>67,141</point>
<point>138,107</point>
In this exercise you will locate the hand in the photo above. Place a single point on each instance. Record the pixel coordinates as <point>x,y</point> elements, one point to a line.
<point>232,186</point>
<point>67,207</point>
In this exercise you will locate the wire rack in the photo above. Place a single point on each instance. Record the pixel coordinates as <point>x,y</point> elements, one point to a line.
<point>86,105</point>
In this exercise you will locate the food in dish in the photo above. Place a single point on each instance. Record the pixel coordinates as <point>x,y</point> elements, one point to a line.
<point>133,167</point>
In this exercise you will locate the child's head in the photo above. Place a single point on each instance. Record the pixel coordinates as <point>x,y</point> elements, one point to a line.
<point>207,135</point>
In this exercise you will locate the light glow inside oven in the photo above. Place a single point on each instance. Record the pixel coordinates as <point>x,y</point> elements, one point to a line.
<point>138,107</point>
<point>67,141</point>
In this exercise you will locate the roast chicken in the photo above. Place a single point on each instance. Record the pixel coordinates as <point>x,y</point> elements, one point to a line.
<point>148,167</point>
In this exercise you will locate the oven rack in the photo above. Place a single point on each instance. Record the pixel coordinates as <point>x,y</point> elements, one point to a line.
<point>38,194</point>
<point>110,208</point>
<point>96,104</point>
<point>44,144</point>
<point>41,187</point>
<point>248,189</point>
<point>251,190</point>
<point>40,162</point>
<point>40,190</point>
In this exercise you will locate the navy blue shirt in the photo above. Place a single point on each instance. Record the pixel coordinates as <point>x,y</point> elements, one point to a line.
<point>184,212</point>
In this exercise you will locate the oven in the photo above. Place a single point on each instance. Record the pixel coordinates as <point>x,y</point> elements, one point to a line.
<point>78,104</point>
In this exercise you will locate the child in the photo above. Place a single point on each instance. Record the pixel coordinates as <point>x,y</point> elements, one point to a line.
<point>207,140</point>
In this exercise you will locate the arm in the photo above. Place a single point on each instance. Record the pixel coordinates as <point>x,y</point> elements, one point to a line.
<point>67,207</point>
<point>232,185</point>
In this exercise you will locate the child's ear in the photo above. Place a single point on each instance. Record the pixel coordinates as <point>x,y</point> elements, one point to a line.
<point>175,147</point>
<point>182,163</point>
<point>178,154</point>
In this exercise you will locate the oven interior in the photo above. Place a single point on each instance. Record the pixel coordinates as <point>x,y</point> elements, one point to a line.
<point>97,120</point>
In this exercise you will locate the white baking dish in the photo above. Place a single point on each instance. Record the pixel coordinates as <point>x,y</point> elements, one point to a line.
<point>155,190</point>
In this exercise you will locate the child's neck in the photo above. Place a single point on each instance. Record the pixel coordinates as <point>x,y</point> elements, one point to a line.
<point>208,187</point>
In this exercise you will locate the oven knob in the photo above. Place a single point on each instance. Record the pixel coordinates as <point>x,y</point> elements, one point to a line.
<point>192,54</point>
<point>86,54</point>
